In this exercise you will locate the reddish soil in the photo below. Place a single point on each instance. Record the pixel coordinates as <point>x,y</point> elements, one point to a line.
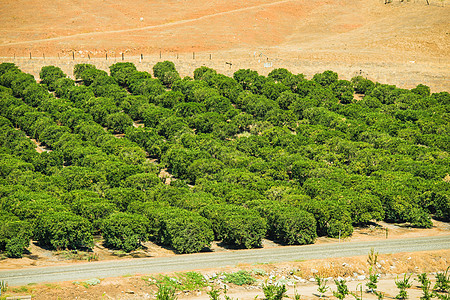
<point>402,43</point>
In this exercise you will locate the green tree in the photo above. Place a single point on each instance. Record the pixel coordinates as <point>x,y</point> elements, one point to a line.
<point>49,75</point>
<point>125,231</point>
<point>15,235</point>
<point>63,230</point>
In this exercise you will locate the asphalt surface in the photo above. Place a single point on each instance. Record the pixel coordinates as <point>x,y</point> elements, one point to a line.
<point>189,262</point>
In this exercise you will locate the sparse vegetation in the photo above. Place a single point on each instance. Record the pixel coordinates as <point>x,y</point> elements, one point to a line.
<point>341,289</point>
<point>322,287</point>
<point>181,281</point>
<point>239,278</point>
<point>166,293</point>
<point>274,292</point>
<point>402,285</point>
<point>442,281</point>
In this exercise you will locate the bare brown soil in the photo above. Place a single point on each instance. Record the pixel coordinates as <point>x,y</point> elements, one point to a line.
<point>403,43</point>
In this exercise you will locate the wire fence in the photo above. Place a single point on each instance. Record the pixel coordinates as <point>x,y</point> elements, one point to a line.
<point>405,74</point>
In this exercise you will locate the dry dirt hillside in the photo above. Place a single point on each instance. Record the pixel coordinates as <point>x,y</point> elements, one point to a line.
<point>350,32</point>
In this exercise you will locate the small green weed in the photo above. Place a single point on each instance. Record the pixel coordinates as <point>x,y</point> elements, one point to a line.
<point>342,289</point>
<point>239,278</point>
<point>3,286</point>
<point>442,282</point>
<point>322,285</point>
<point>402,285</point>
<point>181,281</point>
<point>165,293</point>
<point>259,272</point>
<point>274,292</point>
<point>214,294</point>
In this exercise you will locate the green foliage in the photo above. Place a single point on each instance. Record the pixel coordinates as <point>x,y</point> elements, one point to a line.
<point>326,78</point>
<point>425,286</point>
<point>49,75</point>
<point>185,231</point>
<point>372,284</point>
<point>125,231</point>
<point>274,292</point>
<point>165,71</point>
<point>402,285</point>
<point>181,281</point>
<point>15,235</point>
<point>239,278</point>
<point>289,224</point>
<point>280,156</point>
<point>80,68</point>
<point>443,281</point>
<point>214,294</point>
<point>236,225</point>
<point>63,230</point>
<point>322,287</point>
<point>118,122</point>
<point>121,71</point>
<point>3,286</point>
<point>342,289</point>
<point>165,293</point>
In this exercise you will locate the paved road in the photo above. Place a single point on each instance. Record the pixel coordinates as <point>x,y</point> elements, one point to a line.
<point>188,262</point>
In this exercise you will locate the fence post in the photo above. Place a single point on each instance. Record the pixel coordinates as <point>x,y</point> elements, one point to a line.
<point>73,55</point>
<point>193,55</point>
<point>43,55</point>
<point>122,55</point>
<point>89,56</point>
<point>209,56</point>
<point>159,54</point>
<point>30,55</point>
<point>106,55</point>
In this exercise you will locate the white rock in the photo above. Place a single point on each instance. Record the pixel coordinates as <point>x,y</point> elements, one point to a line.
<point>297,278</point>
<point>312,280</point>
<point>361,277</point>
<point>314,271</point>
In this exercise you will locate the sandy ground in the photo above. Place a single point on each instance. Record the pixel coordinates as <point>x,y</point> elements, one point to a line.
<point>402,43</point>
